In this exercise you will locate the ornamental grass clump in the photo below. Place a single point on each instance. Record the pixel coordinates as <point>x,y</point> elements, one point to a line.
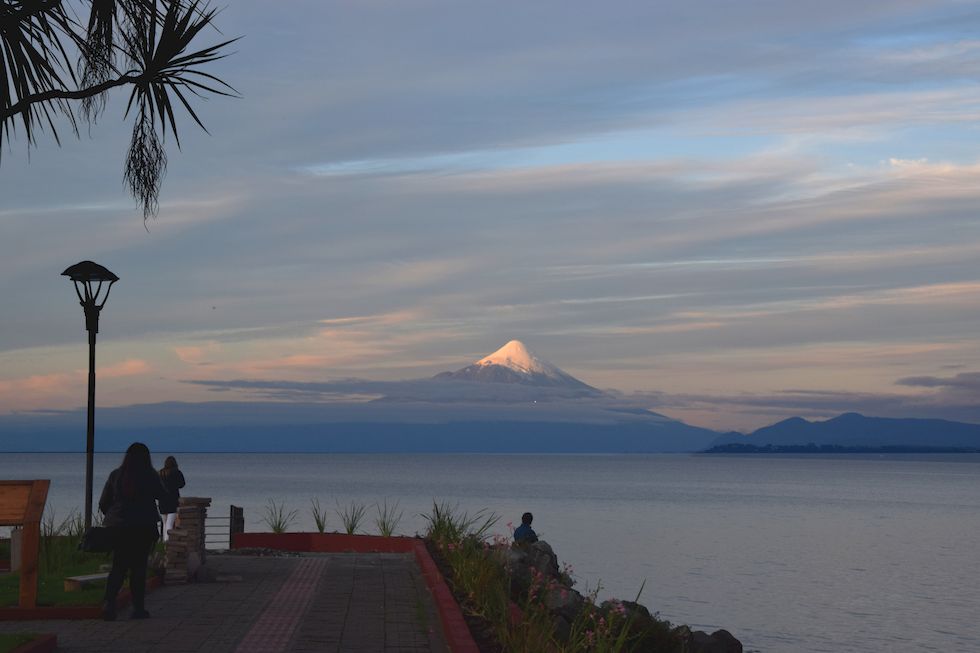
<point>351,516</point>
<point>277,518</point>
<point>319,515</point>
<point>388,518</point>
<point>447,524</point>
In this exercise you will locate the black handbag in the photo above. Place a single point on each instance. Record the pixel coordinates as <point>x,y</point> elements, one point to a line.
<point>98,539</point>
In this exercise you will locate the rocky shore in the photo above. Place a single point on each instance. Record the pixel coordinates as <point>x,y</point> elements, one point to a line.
<point>536,566</point>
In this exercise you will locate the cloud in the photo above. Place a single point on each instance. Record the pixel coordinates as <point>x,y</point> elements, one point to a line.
<point>130,367</point>
<point>198,354</point>
<point>964,381</point>
<point>429,391</point>
<point>61,389</point>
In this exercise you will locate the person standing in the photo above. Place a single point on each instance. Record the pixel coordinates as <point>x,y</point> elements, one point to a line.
<point>172,479</point>
<point>129,502</point>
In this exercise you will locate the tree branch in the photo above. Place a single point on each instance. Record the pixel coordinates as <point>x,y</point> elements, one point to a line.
<point>27,11</point>
<point>60,94</point>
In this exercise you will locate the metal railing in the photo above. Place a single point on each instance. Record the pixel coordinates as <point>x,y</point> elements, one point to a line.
<point>218,530</point>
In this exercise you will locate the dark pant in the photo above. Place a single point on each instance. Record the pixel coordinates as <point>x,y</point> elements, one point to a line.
<point>133,546</point>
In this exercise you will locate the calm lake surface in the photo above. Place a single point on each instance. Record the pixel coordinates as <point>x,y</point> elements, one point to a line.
<point>807,553</point>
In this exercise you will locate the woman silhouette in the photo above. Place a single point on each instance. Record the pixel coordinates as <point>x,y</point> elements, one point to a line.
<point>129,503</point>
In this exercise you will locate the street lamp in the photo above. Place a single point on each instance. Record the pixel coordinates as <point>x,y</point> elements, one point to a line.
<point>89,278</point>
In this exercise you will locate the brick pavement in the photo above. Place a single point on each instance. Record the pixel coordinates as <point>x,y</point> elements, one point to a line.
<point>338,602</point>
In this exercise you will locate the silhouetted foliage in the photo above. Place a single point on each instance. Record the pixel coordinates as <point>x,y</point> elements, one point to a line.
<point>55,64</point>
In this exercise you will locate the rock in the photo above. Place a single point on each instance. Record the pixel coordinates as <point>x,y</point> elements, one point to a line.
<point>564,602</point>
<point>720,641</point>
<point>646,631</point>
<point>542,557</point>
<point>734,646</point>
<point>530,563</point>
<point>562,628</point>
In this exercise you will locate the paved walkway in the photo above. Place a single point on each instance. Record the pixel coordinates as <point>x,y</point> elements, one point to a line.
<point>335,602</point>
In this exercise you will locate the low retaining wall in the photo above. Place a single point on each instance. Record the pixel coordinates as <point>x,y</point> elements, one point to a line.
<point>454,627</point>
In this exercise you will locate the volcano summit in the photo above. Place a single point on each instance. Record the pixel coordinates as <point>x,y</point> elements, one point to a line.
<point>514,363</point>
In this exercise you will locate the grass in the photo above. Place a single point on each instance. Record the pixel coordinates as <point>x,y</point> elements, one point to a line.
<point>388,518</point>
<point>51,587</point>
<point>351,516</point>
<point>319,515</point>
<point>277,518</point>
<point>446,524</point>
<point>10,641</point>
<point>59,558</point>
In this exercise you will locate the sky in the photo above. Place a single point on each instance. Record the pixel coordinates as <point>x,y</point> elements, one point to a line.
<point>731,212</point>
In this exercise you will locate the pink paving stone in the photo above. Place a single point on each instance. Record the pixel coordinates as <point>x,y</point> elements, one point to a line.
<point>273,629</point>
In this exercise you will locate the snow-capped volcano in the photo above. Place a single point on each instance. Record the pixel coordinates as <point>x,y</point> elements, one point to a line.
<point>514,363</point>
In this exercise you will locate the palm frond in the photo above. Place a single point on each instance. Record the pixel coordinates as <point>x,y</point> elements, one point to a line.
<point>142,43</point>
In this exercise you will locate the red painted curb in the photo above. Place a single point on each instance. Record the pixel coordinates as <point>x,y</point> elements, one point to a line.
<point>454,627</point>
<point>40,644</point>
<point>72,611</point>
<point>458,636</point>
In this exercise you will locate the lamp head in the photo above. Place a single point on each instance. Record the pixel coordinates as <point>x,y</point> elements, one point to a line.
<point>88,278</point>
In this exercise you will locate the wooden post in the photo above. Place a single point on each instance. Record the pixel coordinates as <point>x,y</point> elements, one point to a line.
<point>236,524</point>
<point>21,504</point>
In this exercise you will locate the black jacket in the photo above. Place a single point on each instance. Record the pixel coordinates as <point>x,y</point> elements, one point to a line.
<point>173,480</point>
<point>139,510</point>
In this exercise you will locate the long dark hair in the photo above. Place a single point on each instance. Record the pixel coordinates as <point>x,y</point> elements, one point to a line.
<point>136,463</point>
<point>170,463</point>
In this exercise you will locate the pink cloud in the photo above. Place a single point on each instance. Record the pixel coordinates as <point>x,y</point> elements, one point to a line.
<point>62,388</point>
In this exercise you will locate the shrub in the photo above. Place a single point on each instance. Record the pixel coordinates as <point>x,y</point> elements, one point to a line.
<point>319,515</point>
<point>387,519</point>
<point>351,516</point>
<point>277,518</point>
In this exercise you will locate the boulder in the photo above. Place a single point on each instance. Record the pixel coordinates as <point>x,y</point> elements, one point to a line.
<point>526,561</point>
<point>647,633</point>
<point>720,641</point>
<point>542,557</point>
<point>564,601</point>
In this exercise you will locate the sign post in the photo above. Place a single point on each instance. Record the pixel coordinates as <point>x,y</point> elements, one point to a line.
<point>21,504</point>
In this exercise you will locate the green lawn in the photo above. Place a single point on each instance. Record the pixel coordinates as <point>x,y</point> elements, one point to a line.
<point>8,642</point>
<point>60,558</point>
<point>51,584</point>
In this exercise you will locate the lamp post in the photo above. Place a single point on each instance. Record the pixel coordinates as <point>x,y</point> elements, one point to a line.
<point>88,278</point>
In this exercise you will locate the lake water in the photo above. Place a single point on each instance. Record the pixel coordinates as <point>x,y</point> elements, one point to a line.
<point>842,553</point>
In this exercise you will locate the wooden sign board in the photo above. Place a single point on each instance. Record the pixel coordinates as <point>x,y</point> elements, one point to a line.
<point>21,504</point>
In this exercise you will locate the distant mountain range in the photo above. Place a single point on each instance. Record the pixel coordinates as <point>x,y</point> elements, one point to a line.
<point>509,401</point>
<point>853,430</point>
